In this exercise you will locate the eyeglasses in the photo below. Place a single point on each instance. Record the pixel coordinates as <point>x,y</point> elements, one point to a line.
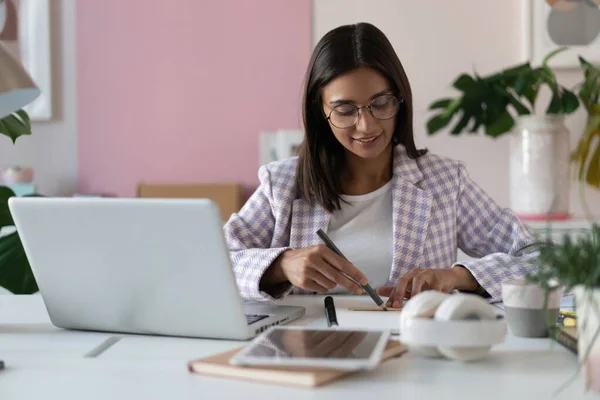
<point>345,116</point>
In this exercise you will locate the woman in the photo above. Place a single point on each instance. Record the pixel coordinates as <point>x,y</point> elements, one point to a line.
<point>397,212</point>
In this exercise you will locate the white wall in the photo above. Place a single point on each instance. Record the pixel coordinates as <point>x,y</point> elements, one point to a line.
<point>52,148</point>
<point>436,41</point>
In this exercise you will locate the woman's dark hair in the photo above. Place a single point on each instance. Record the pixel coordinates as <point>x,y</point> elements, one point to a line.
<point>321,156</point>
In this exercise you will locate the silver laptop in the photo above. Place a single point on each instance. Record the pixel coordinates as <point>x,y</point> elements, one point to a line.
<point>145,266</point>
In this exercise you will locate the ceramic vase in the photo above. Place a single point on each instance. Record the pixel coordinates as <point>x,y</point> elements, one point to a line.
<point>539,168</point>
<point>525,309</point>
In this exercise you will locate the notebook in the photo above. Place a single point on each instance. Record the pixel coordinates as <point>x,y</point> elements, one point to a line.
<point>567,336</point>
<point>218,365</point>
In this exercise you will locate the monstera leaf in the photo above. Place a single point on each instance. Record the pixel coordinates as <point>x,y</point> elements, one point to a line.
<point>15,271</point>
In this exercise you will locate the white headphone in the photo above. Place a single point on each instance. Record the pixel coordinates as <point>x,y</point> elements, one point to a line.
<point>458,326</point>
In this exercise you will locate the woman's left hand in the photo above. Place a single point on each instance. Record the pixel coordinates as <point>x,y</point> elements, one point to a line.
<point>418,280</point>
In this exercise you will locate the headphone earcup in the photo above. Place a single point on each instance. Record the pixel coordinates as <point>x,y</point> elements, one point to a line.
<point>461,307</point>
<point>423,305</point>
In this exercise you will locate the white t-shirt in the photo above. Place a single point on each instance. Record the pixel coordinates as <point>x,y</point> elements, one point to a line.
<point>363,231</point>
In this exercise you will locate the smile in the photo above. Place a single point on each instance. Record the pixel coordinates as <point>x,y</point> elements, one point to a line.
<point>367,139</point>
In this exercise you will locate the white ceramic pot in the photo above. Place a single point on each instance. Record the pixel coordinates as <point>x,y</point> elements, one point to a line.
<point>588,324</point>
<point>539,168</point>
<point>524,308</point>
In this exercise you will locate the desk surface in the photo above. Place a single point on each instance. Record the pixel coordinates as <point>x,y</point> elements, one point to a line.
<point>45,362</point>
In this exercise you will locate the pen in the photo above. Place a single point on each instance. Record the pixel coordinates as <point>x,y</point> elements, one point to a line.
<point>366,287</point>
<point>330,312</point>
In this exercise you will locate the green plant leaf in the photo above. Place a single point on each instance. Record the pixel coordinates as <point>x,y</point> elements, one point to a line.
<point>15,271</point>
<point>443,103</point>
<point>464,83</point>
<point>589,91</point>
<point>502,124</point>
<point>5,215</point>
<point>521,109</point>
<point>593,174</point>
<point>570,103</point>
<point>462,123</point>
<point>555,106</point>
<point>441,120</point>
<point>438,122</point>
<point>14,126</point>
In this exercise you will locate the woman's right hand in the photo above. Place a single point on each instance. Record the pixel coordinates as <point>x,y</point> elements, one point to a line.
<point>316,268</point>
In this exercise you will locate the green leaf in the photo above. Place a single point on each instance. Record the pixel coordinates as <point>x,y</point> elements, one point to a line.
<point>5,215</point>
<point>500,125</point>
<point>14,126</point>
<point>462,123</point>
<point>441,120</point>
<point>478,121</point>
<point>440,104</point>
<point>521,109</point>
<point>464,83</point>
<point>569,102</point>
<point>438,122</point>
<point>15,271</point>
<point>593,175</point>
<point>555,106</point>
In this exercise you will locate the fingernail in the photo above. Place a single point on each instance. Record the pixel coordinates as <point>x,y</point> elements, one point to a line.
<point>396,304</point>
<point>359,291</point>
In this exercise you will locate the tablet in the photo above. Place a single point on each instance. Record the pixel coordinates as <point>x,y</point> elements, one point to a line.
<point>331,348</point>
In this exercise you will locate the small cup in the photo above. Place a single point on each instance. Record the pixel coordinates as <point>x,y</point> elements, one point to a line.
<point>524,308</point>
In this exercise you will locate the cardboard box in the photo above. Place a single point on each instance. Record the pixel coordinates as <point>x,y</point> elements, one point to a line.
<point>227,195</point>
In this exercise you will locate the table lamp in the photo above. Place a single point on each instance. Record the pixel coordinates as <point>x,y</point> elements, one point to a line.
<point>16,86</point>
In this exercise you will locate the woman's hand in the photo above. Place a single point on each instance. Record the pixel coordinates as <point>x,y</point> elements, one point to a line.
<point>315,268</point>
<point>418,280</point>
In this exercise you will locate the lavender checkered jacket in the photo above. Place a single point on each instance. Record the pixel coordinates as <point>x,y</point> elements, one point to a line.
<point>437,208</point>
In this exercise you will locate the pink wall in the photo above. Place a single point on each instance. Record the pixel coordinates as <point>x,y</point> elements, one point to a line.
<point>178,91</point>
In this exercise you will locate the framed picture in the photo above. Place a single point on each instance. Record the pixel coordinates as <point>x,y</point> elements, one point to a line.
<point>550,24</point>
<point>278,145</point>
<point>25,29</point>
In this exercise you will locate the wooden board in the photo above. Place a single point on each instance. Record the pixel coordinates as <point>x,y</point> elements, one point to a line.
<point>218,366</point>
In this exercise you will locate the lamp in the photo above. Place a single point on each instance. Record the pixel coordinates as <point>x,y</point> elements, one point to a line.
<point>17,89</point>
<point>16,86</point>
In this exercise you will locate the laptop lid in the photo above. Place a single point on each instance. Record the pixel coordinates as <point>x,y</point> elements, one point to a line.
<point>152,266</point>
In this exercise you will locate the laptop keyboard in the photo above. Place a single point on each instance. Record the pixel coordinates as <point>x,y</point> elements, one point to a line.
<point>251,318</point>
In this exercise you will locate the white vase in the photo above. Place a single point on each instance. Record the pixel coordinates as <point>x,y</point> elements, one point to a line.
<point>588,324</point>
<point>539,168</point>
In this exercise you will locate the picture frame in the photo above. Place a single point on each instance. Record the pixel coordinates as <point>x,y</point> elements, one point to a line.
<point>278,145</point>
<point>26,31</point>
<point>550,24</point>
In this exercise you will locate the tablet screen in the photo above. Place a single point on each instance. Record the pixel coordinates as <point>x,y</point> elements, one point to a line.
<point>307,343</point>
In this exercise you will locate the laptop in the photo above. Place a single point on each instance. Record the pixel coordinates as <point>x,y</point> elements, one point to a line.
<point>141,266</point>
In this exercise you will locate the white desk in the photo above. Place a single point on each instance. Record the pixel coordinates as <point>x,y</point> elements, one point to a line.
<point>48,363</point>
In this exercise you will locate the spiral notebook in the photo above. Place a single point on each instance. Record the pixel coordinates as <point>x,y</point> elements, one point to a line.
<point>567,336</point>
<point>218,366</point>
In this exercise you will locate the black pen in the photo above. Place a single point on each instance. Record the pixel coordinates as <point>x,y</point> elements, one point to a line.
<point>366,286</point>
<point>330,314</point>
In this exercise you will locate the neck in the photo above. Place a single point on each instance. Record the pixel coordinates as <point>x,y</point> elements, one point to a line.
<point>363,176</point>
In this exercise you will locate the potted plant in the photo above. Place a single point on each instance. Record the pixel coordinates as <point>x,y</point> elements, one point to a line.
<point>574,264</point>
<point>15,272</point>
<point>585,156</point>
<point>506,103</point>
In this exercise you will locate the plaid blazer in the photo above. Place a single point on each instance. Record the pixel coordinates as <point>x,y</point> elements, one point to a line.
<point>437,208</point>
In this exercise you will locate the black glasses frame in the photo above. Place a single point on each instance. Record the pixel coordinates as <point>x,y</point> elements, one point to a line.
<point>368,106</point>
